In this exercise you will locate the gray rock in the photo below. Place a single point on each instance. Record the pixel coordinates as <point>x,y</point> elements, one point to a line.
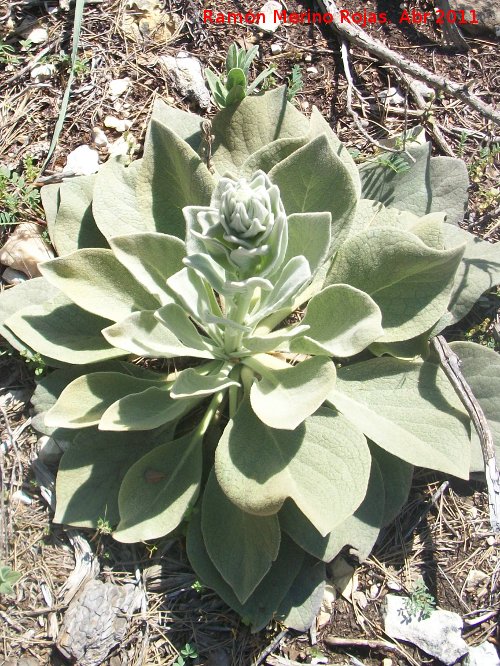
<point>185,72</point>
<point>439,635</point>
<point>25,249</point>
<point>50,450</point>
<point>483,655</point>
<point>97,620</point>
<point>487,12</point>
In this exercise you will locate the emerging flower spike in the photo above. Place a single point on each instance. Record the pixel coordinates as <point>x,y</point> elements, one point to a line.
<point>245,228</point>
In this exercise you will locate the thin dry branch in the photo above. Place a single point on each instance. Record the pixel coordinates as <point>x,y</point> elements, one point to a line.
<point>451,365</point>
<point>360,38</point>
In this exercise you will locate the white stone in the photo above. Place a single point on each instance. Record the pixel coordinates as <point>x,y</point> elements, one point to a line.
<point>99,138</point>
<point>276,48</point>
<point>392,585</point>
<point>123,147</point>
<point>20,496</point>
<point>270,24</point>
<point>118,124</point>
<point>312,70</point>
<point>487,14</point>
<point>392,95</point>
<point>25,249</point>
<point>11,276</point>
<point>38,36</point>
<point>440,635</point>
<point>118,86</point>
<point>329,598</point>
<point>83,161</point>
<point>186,74</point>
<point>41,73</point>
<point>374,590</point>
<point>50,450</point>
<point>424,89</point>
<point>483,655</point>
<point>308,58</point>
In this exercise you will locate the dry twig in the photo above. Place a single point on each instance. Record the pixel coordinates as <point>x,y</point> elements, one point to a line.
<point>360,38</point>
<point>451,365</point>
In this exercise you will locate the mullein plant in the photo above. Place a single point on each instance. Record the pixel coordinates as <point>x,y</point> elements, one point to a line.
<point>295,296</point>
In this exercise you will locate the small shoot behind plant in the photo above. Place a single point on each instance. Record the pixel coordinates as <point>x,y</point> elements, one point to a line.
<point>295,83</point>
<point>233,87</point>
<point>8,578</point>
<point>420,604</point>
<point>186,653</point>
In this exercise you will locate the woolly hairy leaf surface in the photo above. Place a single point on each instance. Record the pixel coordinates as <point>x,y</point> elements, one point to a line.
<point>430,184</point>
<point>272,341</point>
<point>30,292</point>
<point>284,397</point>
<point>50,201</point>
<point>144,411</point>
<point>478,271</point>
<point>61,330</point>
<point>193,294</point>
<point>268,156</point>
<point>193,381</point>
<point>309,235</point>
<point>84,401</point>
<point>261,606</point>
<point>245,128</point>
<point>302,602</point>
<point>172,176</point>
<point>96,281</point>
<point>360,530</point>
<point>317,126</point>
<point>409,281</point>
<point>151,258</point>
<point>115,206</point>
<point>90,474</point>
<point>315,179</point>
<point>397,476</point>
<point>343,321</point>
<point>158,490</point>
<point>186,125</point>
<point>242,546</point>
<point>143,334</point>
<point>481,369</point>
<point>323,465</point>
<point>176,321</point>
<point>74,226</point>
<point>409,409</point>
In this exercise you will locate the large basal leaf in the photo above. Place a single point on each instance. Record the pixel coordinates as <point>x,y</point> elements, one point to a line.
<point>309,236</point>
<point>115,205</point>
<point>409,409</point>
<point>50,387</point>
<point>95,280</point>
<point>241,546</point>
<point>61,330</point>
<point>342,322</point>
<point>409,281</point>
<point>74,225</point>
<point>268,156</point>
<point>172,176</point>
<point>151,258</point>
<point>176,321</point>
<point>360,530</point>
<point>315,179</point>
<point>145,411</point>
<point>317,126</point>
<point>85,399</point>
<point>284,397</point>
<point>397,476</point>
<point>90,474</point>
<point>481,369</point>
<point>30,292</point>
<point>201,381</point>
<point>186,125</point>
<point>301,604</point>
<point>243,129</point>
<point>478,271</point>
<point>145,335</point>
<point>260,608</point>
<point>430,184</point>
<point>50,201</point>
<point>158,490</point>
<point>323,465</point>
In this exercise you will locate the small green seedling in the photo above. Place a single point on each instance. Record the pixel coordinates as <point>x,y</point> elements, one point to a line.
<point>8,578</point>
<point>420,604</point>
